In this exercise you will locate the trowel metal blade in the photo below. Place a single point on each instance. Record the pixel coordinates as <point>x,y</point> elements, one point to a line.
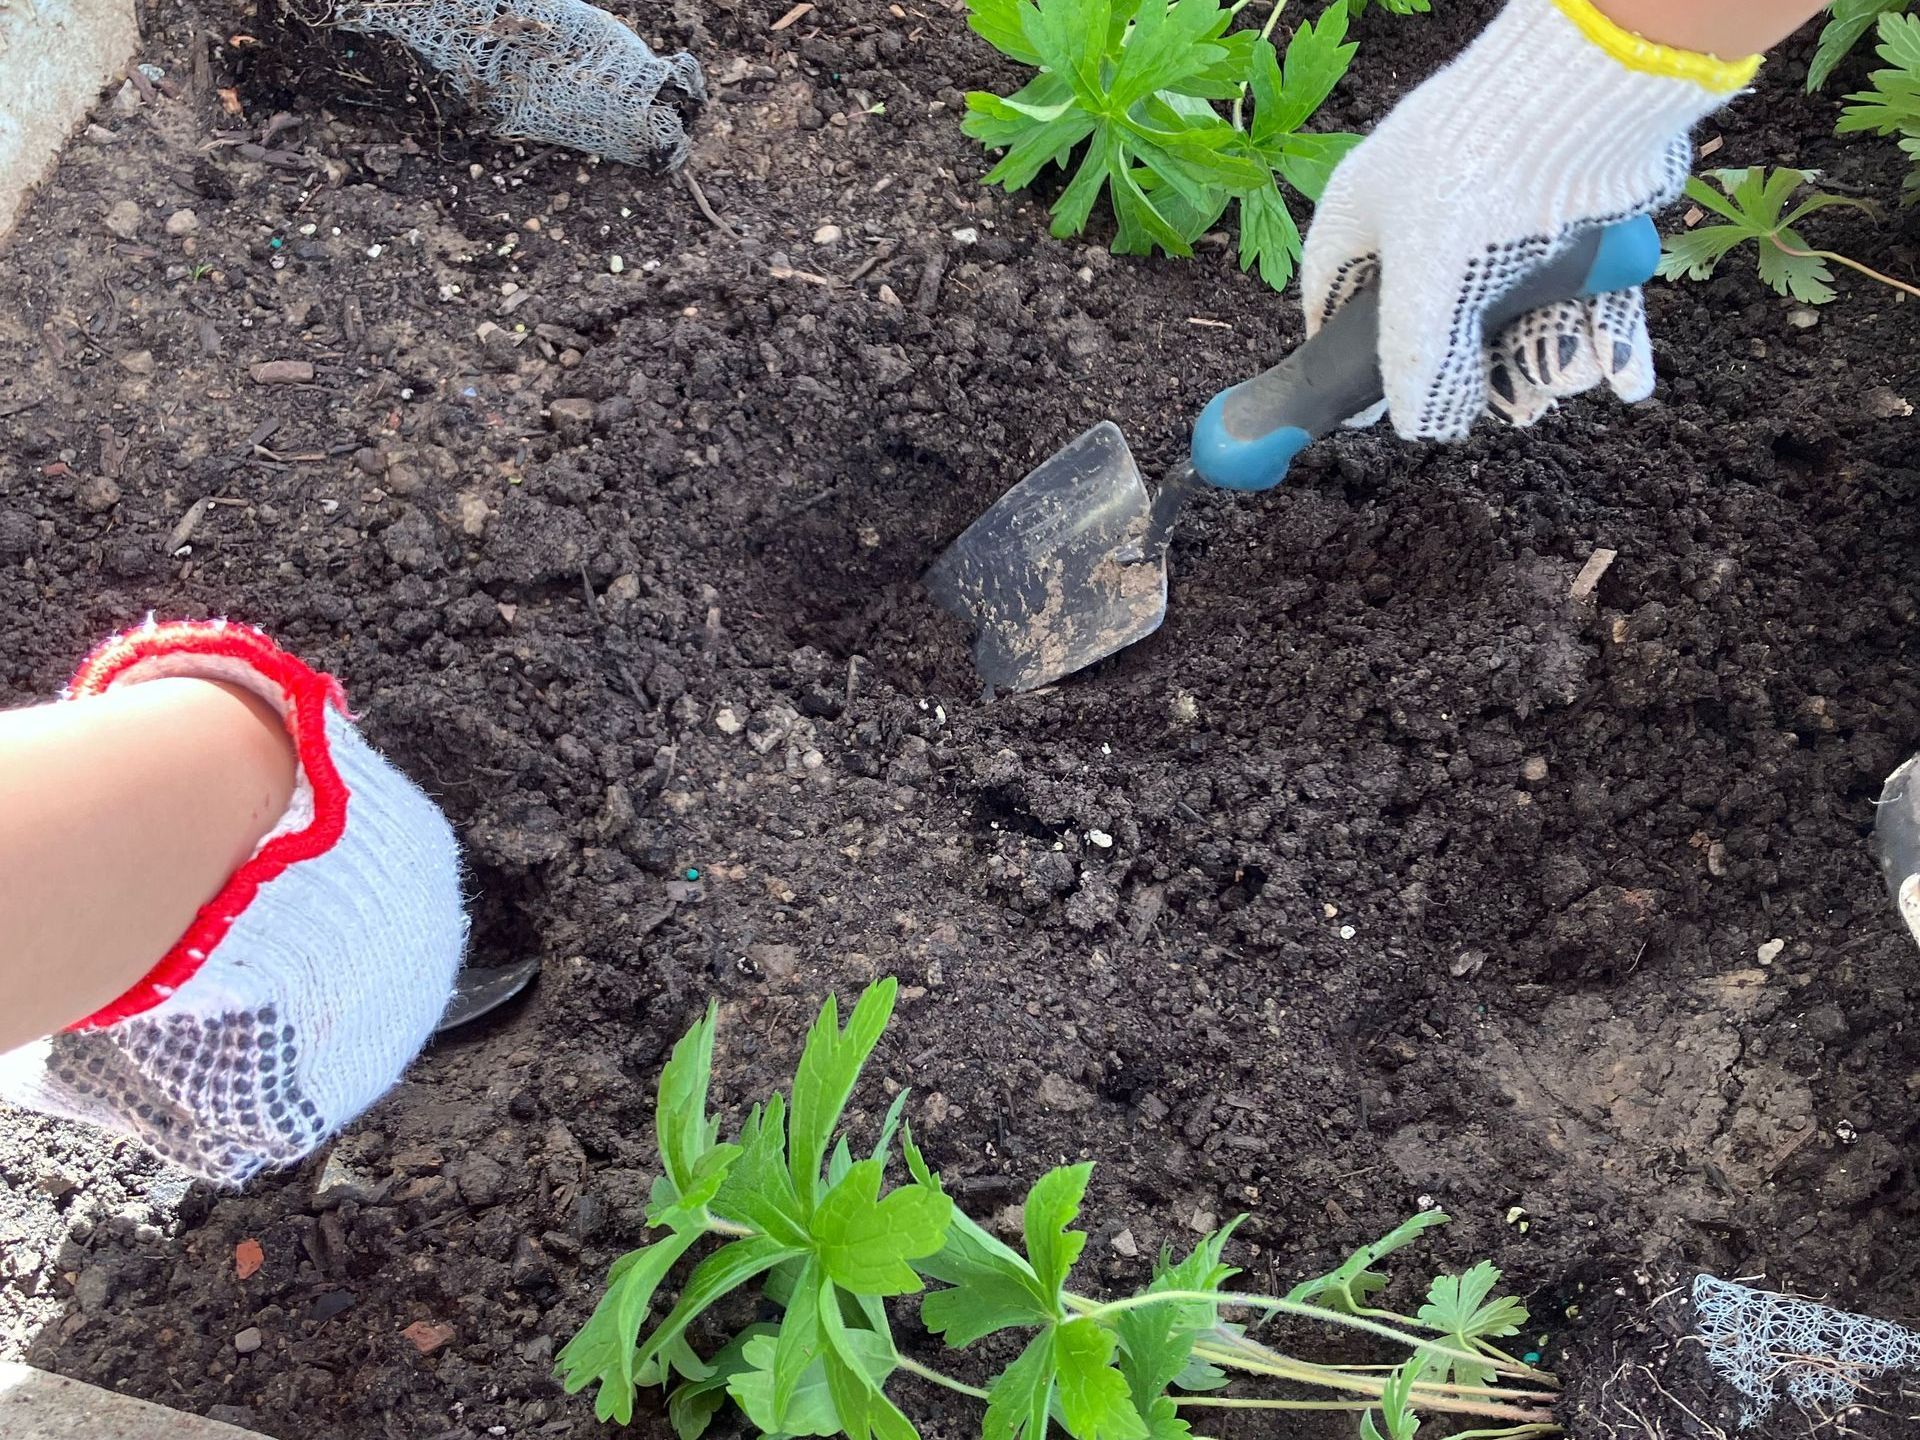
<point>1896,840</point>
<point>1053,577</point>
<point>481,989</point>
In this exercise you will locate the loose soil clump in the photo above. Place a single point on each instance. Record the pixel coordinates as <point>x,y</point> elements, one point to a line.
<point>1387,873</point>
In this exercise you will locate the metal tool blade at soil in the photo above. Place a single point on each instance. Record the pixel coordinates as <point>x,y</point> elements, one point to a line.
<point>1062,570</point>
<point>1071,564</point>
<point>481,989</point>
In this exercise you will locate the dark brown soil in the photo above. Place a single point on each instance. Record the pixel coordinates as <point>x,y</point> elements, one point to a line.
<point>1426,883</point>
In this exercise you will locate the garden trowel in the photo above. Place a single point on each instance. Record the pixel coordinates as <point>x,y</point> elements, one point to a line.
<point>1069,565</point>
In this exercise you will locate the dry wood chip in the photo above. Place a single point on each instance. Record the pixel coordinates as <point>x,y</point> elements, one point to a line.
<point>1590,573</point>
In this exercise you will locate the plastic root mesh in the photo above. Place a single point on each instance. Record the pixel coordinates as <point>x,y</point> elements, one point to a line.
<point>557,72</point>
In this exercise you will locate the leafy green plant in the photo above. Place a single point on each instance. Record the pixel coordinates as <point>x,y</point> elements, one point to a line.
<point>1847,22</point>
<point>829,1241</point>
<point>1752,203</point>
<point>1357,8</point>
<point>1892,106</point>
<point>1133,87</point>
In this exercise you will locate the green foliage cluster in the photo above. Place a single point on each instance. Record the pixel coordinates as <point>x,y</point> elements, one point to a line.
<point>1847,22</point>
<point>1892,105</point>
<point>830,1239</point>
<point>1135,88</point>
<point>1752,204</point>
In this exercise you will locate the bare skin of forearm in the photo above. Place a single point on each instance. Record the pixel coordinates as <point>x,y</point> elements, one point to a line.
<point>1729,29</point>
<point>120,816</point>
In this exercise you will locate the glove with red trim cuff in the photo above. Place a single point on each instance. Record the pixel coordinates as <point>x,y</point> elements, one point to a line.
<point>303,989</point>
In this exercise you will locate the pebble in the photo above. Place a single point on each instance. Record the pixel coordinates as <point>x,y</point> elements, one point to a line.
<point>1803,318</point>
<point>828,235</point>
<point>1535,769</point>
<point>1770,952</point>
<point>93,1289</point>
<point>967,235</point>
<point>1100,838</point>
<point>616,264</point>
<point>1203,1222</point>
<point>1125,1244</point>
<point>138,362</point>
<point>182,222</point>
<point>572,418</point>
<point>1056,1092</point>
<point>248,1340</point>
<point>428,1337</point>
<point>96,495</point>
<point>123,219</point>
<point>728,722</point>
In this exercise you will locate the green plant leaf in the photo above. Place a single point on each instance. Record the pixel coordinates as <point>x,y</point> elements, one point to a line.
<point>829,1066</point>
<point>998,22</point>
<point>1094,1400</point>
<point>1307,160</point>
<point>1022,1394</point>
<point>1458,1307</point>
<point>810,1410</point>
<point>864,1241</point>
<point>1396,1405</point>
<point>864,1409</point>
<point>683,1130</point>
<point>1348,1287</point>
<point>693,1403</point>
<point>1892,106</point>
<point>758,1188</point>
<point>1692,254</point>
<point>1268,236</point>
<point>1806,278</point>
<point>993,1288</point>
<point>725,1270</point>
<point>604,1350</point>
<point>797,1345</point>
<point>1317,56</point>
<point>1052,1205</point>
<point>1847,21</point>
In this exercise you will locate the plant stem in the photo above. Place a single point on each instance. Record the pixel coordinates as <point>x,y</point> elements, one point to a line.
<point>1474,1399</point>
<point>1839,259</point>
<point>1218,1402</point>
<point>1266,31</point>
<point>1096,1311</point>
<point>914,1367</point>
<point>717,1226</point>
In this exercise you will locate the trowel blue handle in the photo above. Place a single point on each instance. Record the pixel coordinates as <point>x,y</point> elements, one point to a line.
<point>1247,436</point>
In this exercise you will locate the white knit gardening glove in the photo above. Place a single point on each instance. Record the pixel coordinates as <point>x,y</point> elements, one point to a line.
<point>1553,120</point>
<point>301,991</point>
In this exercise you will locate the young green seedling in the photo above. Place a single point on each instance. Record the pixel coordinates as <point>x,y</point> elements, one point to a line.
<point>1753,204</point>
<point>830,1242</point>
<point>1847,22</point>
<point>1131,87</point>
<point>1892,106</point>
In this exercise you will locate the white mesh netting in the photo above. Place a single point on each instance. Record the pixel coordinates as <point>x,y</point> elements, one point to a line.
<point>1762,1343</point>
<point>559,72</point>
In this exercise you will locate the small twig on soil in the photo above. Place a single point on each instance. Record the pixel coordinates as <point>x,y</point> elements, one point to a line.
<point>787,272</point>
<point>1590,573</point>
<point>700,199</point>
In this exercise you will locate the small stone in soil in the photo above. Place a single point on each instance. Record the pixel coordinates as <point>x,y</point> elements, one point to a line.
<point>572,418</point>
<point>123,219</point>
<point>96,495</point>
<point>427,1336</point>
<point>182,222</point>
<point>248,1340</point>
<point>1056,1092</point>
<point>1125,1244</point>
